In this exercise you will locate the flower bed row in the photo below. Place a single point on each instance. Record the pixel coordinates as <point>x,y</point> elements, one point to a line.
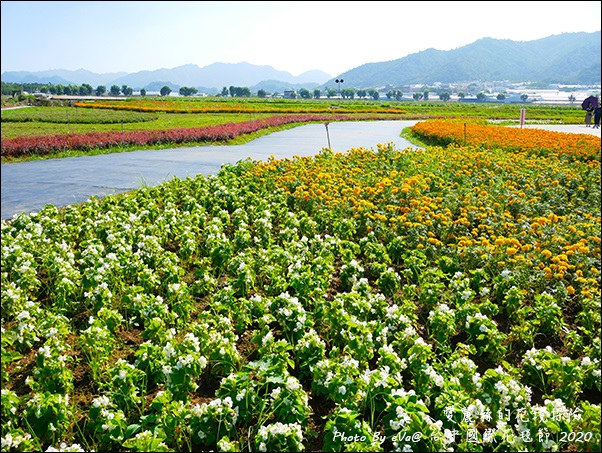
<point>446,132</point>
<point>49,144</point>
<point>223,107</point>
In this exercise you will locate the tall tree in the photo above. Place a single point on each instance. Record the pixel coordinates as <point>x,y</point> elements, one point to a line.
<point>374,94</point>
<point>348,93</point>
<point>86,89</point>
<point>304,93</point>
<point>188,91</point>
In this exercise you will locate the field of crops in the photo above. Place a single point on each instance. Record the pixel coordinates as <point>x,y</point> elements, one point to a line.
<point>148,114</point>
<point>390,300</point>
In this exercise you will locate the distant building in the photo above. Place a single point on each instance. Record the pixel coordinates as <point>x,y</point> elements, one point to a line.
<point>289,94</point>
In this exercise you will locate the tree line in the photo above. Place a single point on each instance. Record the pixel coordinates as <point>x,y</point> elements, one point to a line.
<point>85,89</point>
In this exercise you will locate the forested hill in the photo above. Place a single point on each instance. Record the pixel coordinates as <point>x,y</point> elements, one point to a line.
<point>568,58</point>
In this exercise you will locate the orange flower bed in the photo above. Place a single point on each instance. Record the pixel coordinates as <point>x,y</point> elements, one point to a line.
<point>582,146</point>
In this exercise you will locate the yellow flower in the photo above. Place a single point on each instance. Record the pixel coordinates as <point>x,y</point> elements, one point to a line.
<point>546,253</point>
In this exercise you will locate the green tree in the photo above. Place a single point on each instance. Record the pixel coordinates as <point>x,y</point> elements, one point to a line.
<point>100,90</point>
<point>445,96</point>
<point>142,92</point>
<point>417,96</point>
<point>240,92</point>
<point>115,90</point>
<point>86,89</point>
<point>225,92</point>
<point>395,94</point>
<point>361,93</point>
<point>331,92</point>
<point>373,94</point>
<point>501,96</point>
<point>261,94</point>
<point>188,91</point>
<point>572,98</point>
<point>304,93</point>
<point>524,97</point>
<point>126,90</point>
<point>348,93</point>
<point>461,94</point>
<point>425,95</point>
<point>317,93</point>
<point>165,91</point>
<point>481,96</point>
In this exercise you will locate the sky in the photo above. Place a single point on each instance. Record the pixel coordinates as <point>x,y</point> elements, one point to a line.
<point>334,37</point>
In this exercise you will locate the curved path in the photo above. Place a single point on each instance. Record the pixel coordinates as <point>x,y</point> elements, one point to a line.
<point>29,186</point>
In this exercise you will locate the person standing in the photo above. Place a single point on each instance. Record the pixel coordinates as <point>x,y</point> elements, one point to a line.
<point>589,111</point>
<point>597,117</point>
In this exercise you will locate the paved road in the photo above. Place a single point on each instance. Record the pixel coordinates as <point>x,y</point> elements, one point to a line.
<point>29,186</point>
<point>569,128</point>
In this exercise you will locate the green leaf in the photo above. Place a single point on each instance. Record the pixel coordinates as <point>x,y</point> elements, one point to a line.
<point>131,430</point>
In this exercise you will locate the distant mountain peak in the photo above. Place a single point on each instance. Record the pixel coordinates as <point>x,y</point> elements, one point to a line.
<point>213,76</point>
<point>568,58</point>
<point>555,59</point>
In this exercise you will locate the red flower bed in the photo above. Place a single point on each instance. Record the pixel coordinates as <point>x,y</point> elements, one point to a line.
<point>49,144</point>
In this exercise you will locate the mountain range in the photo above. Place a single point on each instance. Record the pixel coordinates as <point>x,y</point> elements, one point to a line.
<point>567,58</point>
